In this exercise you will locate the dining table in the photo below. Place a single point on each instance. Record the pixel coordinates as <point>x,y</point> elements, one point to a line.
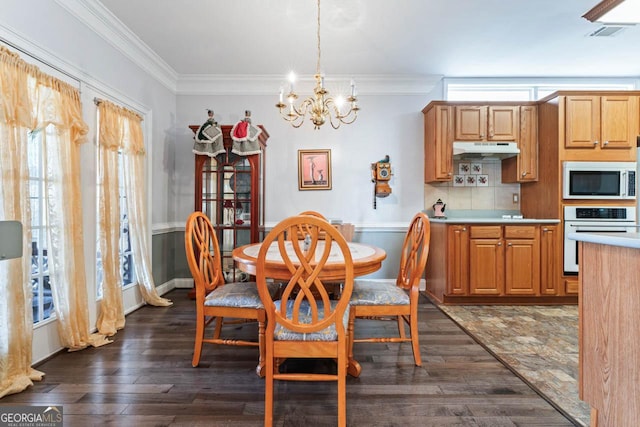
<point>366,258</point>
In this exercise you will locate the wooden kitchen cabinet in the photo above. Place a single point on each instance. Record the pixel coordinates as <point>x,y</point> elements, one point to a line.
<point>522,260</point>
<point>494,263</point>
<point>524,167</point>
<point>438,143</point>
<point>601,122</point>
<point>504,260</point>
<point>487,123</point>
<point>458,256</point>
<point>486,260</point>
<point>550,257</point>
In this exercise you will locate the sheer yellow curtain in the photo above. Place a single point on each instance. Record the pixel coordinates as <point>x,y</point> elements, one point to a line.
<point>32,100</point>
<point>136,189</point>
<point>16,319</point>
<point>111,317</point>
<point>58,117</point>
<point>120,131</point>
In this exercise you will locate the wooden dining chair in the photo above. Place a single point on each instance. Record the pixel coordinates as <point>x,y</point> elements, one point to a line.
<point>305,322</point>
<point>399,302</point>
<point>216,299</point>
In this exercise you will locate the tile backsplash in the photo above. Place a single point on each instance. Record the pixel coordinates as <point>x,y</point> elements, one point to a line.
<point>476,185</point>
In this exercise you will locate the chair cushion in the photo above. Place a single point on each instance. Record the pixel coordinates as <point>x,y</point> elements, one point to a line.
<point>238,294</point>
<point>328,334</point>
<point>367,292</point>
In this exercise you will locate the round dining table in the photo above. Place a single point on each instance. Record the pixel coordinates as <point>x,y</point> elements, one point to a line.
<point>366,259</point>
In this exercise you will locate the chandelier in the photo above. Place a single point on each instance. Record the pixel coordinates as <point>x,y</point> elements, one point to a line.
<point>320,106</point>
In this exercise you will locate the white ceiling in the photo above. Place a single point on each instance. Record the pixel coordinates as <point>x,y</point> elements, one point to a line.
<point>453,38</point>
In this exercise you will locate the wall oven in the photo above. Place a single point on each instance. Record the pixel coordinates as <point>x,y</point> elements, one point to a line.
<point>592,219</point>
<point>599,180</point>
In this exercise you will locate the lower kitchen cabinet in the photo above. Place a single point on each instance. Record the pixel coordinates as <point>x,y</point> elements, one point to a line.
<point>550,258</point>
<point>486,260</point>
<point>493,262</point>
<point>458,256</point>
<point>522,260</point>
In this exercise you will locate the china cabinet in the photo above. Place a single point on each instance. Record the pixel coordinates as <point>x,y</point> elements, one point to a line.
<point>229,188</point>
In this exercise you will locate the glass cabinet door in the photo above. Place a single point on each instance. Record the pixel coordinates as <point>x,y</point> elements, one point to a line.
<point>226,200</point>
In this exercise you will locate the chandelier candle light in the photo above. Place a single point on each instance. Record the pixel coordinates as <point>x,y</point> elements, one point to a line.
<point>320,105</point>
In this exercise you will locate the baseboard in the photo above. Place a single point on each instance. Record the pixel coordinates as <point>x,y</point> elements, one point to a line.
<point>183,283</point>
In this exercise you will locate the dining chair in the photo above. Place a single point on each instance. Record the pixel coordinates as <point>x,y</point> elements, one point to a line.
<point>216,299</point>
<point>345,228</point>
<point>383,301</point>
<point>305,322</point>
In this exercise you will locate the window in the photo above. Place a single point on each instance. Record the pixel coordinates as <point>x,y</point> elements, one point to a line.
<point>42,304</point>
<point>516,89</point>
<point>126,257</point>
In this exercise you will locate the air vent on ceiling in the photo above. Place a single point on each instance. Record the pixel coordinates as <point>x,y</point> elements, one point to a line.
<point>608,31</point>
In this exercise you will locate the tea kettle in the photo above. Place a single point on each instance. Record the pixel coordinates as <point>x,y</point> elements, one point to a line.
<point>438,209</point>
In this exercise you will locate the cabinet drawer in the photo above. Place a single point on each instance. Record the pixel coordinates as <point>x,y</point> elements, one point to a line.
<point>486,232</point>
<point>520,231</point>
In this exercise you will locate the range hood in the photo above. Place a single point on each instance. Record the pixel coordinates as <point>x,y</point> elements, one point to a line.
<point>484,150</point>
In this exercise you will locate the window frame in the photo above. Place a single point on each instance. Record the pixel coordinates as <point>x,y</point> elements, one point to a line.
<point>534,86</point>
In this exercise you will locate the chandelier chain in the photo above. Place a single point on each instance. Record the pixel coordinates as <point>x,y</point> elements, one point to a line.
<point>320,106</point>
<point>318,63</point>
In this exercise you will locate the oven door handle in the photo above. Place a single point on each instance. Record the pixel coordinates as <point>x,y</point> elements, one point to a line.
<point>599,228</point>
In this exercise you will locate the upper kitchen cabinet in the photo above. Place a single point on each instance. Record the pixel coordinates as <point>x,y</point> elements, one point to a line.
<point>438,143</point>
<point>487,123</point>
<point>601,122</point>
<point>524,167</point>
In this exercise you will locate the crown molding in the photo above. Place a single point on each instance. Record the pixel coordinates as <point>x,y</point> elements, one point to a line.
<point>210,84</point>
<point>99,19</point>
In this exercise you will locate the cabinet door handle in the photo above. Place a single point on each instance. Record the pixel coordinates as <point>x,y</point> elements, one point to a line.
<point>509,244</point>
<point>595,142</point>
<point>606,143</point>
<point>544,230</point>
<point>481,135</point>
<point>499,243</point>
<point>464,228</point>
<point>524,174</point>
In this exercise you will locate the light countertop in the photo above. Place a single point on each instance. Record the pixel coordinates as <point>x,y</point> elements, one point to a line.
<point>487,217</point>
<point>502,221</point>
<point>627,240</point>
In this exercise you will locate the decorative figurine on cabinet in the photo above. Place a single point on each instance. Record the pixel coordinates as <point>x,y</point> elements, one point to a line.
<point>245,136</point>
<point>208,138</point>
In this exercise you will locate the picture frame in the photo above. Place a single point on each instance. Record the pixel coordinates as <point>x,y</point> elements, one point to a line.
<point>314,170</point>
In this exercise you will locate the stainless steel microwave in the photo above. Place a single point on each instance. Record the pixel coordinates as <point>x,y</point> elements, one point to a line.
<point>599,180</point>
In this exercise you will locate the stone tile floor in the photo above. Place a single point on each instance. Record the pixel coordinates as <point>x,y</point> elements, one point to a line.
<point>539,343</point>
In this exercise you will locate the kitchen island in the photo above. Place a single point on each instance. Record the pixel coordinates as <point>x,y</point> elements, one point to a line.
<point>609,331</point>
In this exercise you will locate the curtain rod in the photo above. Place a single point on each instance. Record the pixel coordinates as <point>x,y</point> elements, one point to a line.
<point>47,63</point>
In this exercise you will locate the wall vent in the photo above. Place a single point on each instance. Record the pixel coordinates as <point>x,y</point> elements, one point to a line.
<point>608,31</point>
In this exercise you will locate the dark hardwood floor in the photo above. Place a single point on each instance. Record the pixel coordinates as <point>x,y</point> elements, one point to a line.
<point>145,378</point>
